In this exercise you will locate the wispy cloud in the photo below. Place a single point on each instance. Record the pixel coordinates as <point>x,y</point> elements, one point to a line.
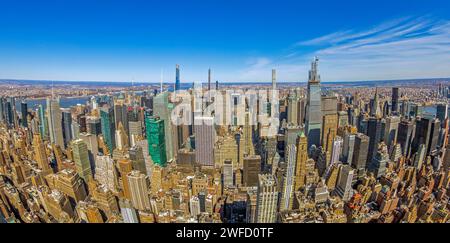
<point>402,48</point>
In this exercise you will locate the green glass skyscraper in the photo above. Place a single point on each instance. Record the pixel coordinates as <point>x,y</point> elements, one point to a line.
<point>162,108</point>
<point>155,137</point>
<point>108,127</point>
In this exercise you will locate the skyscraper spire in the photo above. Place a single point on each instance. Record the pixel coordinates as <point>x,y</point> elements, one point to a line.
<point>376,111</point>
<point>314,76</point>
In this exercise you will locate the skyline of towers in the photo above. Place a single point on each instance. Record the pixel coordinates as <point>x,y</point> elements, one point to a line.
<point>215,172</point>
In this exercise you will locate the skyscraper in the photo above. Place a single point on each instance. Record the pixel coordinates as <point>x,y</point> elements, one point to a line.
<point>108,128</point>
<point>374,133</point>
<point>41,155</point>
<point>252,168</point>
<point>314,114</point>
<point>344,184</point>
<point>121,115</point>
<point>105,172</point>
<point>43,125</point>
<point>289,178</point>
<point>391,130</point>
<point>67,125</point>
<point>129,214</point>
<point>55,122</point>
<point>378,163</point>
<point>227,173</point>
<point>138,184</point>
<point>161,108</point>
<point>121,138</point>
<point>137,159</point>
<point>177,77</point>
<point>274,79</point>
<point>205,135</point>
<point>336,151</point>
<point>125,167</point>
<point>292,109</point>
<point>81,159</point>
<point>94,126</point>
<point>359,161</point>
<point>375,110</point>
<point>422,134</point>
<point>405,136</point>
<point>434,136</point>
<point>302,157</point>
<point>267,199</point>
<point>24,111</point>
<point>155,137</point>
<point>394,99</point>
<point>348,147</point>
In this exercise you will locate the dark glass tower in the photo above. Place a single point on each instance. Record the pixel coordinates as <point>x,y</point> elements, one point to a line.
<point>67,126</point>
<point>177,77</point>
<point>422,134</point>
<point>374,132</point>
<point>394,99</point>
<point>24,110</point>
<point>108,127</point>
<point>405,136</point>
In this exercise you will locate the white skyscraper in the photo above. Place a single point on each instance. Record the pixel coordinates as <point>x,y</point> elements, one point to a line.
<point>105,172</point>
<point>267,199</point>
<point>344,186</point>
<point>205,135</point>
<point>129,214</point>
<point>54,116</point>
<point>288,184</point>
<point>336,151</point>
<point>194,206</point>
<point>138,184</point>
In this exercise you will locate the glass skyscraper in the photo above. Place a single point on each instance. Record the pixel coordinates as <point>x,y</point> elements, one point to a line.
<point>155,136</point>
<point>108,127</point>
<point>314,113</point>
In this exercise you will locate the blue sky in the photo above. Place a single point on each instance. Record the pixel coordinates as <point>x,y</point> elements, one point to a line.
<point>241,40</point>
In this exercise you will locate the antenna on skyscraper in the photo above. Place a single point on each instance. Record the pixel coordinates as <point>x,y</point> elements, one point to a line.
<point>53,93</point>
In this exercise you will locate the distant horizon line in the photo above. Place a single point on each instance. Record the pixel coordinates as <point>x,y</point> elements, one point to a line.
<point>447,79</point>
